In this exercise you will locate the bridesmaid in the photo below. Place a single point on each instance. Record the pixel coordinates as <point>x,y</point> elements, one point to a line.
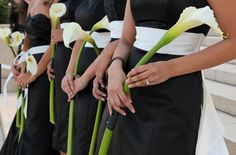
<point>17,18</point>
<point>164,115</point>
<point>61,62</point>
<point>87,14</point>
<point>37,134</point>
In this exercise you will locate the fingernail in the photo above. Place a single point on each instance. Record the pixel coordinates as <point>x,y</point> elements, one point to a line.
<point>124,114</point>
<point>102,86</point>
<point>133,111</point>
<point>104,95</point>
<point>103,99</point>
<point>130,86</point>
<point>130,101</point>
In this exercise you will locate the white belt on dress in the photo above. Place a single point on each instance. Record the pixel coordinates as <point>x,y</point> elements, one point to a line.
<point>116,29</point>
<point>19,58</point>
<point>211,132</point>
<point>101,39</point>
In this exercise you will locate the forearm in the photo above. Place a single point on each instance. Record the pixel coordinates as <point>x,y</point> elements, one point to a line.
<point>209,57</point>
<point>106,55</point>
<point>74,56</point>
<point>44,61</point>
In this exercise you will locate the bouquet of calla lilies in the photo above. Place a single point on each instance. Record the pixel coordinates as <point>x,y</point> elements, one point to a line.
<point>28,62</point>
<point>12,40</point>
<point>56,11</point>
<point>191,17</point>
<point>73,32</point>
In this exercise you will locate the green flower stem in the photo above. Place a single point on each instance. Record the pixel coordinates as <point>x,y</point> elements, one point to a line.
<point>96,127</point>
<point>105,142</point>
<point>71,112</point>
<point>13,51</point>
<point>22,124</point>
<point>70,130</point>
<point>56,23</point>
<point>18,111</point>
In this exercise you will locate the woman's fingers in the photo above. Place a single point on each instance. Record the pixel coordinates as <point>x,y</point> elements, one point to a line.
<point>137,70</point>
<point>138,77</point>
<point>126,100</point>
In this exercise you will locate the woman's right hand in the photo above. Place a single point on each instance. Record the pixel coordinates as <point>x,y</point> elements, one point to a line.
<point>50,71</point>
<point>67,84</point>
<point>15,70</point>
<point>57,35</point>
<point>117,99</point>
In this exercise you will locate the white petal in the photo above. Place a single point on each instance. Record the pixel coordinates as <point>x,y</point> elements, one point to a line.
<point>72,32</point>
<point>102,24</point>
<point>57,10</point>
<point>193,17</point>
<point>16,39</point>
<point>31,65</point>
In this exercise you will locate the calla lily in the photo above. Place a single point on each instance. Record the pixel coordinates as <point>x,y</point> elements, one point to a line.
<point>16,39</point>
<point>31,64</point>
<point>56,11</point>
<point>191,17</point>
<point>73,32</point>
<point>102,24</point>
<point>5,34</point>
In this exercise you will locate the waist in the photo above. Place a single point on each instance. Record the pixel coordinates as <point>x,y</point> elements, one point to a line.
<point>101,39</point>
<point>185,44</point>
<point>116,29</point>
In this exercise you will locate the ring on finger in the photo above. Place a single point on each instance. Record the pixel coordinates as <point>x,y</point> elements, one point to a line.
<point>147,82</point>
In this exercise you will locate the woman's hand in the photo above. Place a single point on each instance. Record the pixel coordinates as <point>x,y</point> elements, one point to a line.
<point>15,70</point>
<point>50,71</point>
<point>80,83</point>
<point>149,74</point>
<point>56,35</point>
<point>117,99</point>
<point>97,93</point>
<point>67,84</point>
<point>24,79</point>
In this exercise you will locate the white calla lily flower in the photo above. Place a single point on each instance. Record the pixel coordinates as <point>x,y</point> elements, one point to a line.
<point>73,32</point>
<point>16,39</point>
<point>193,17</point>
<point>31,64</point>
<point>57,10</point>
<point>102,24</point>
<point>5,34</point>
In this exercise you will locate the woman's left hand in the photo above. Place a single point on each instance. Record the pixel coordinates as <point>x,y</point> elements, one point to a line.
<point>24,79</point>
<point>149,74</point>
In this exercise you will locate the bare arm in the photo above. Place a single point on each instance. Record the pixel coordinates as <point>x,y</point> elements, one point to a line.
<point>218,53</point>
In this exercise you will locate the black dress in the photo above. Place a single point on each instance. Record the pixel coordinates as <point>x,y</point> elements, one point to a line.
<point>61,62</point>
<point>167,115</point>
<point>114,10</point>
<point>87,14</point>
<point>37,134</point>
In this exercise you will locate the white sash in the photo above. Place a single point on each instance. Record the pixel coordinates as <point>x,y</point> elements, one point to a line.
<point>17,60</point>
<point>211,131</point>
<point>116,29</point>
<point>101,39</point>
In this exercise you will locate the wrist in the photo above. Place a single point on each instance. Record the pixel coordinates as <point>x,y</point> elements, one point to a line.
<point>118,60</point>
<point>172,68</point>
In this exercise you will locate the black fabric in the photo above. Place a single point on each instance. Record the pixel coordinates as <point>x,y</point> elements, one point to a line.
<point>38,29</point>
<point>85,108</point>
<point>61,62</point>
<point>10,145</point>
<point>114,9</point>
<point>167,115</point>
<point>37,134</point>
<point>89,12</point>
<point>164,14</point>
